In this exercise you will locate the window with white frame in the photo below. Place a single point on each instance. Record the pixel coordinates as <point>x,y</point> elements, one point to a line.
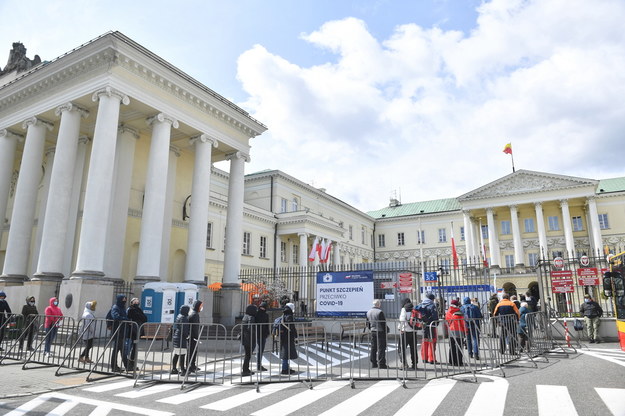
<point>509,260</point>
<point>553,223</point>
<point>485,232</point>
<point>247,243</point>
<point>533,259</point>
<point>462,234</point>
<point>381,240</point>
<point>295,254</point>
<point>445,265</point>
<point>400,239</point>
<point>421,237</point>
<point>351,232</point>
<point>529,225</point>
<point>283,251</point>
<point>209,235</point>
<point>577,223</point>
<point>505,227</point>
<point>263,247</point>
<point>603,221</point>
<point>557,254</point>
<point>442,235</point>
<point>283,204</point>
<point>294,204</point>
<point>362,234</point>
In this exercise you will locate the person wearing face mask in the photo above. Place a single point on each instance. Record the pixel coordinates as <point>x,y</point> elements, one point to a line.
<point>88,331</point>
<point>51,324</point>
<point>135,314</point>
<point>29,312</point>
<point>194,335</point>
<point>592,312</point>
<point>119,330</point>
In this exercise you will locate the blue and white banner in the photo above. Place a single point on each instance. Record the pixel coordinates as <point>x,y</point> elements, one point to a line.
<point>344,293</point>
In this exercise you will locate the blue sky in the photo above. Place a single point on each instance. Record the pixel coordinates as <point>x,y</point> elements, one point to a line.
<point>373,98</point>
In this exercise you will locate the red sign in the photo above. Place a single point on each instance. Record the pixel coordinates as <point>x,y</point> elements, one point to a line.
<point>558,262</point>
<point>587,277</point>
<point>562,281</point>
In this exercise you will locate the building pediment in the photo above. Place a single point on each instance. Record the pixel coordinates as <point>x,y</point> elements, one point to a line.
<point>525,182</point>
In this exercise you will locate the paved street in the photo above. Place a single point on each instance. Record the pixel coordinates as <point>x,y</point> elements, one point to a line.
<point>588,383</point>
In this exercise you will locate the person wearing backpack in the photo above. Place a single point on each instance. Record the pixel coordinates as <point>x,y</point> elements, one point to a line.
<point>407,325</point>
<point>429,317</point>
<point>473,317</point>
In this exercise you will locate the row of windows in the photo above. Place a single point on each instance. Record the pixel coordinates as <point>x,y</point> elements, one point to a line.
<point>247,242</point>
<point>506,229</point>
<point>284,203</point>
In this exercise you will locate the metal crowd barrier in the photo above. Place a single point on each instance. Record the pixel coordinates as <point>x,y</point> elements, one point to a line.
<point>213,354</point>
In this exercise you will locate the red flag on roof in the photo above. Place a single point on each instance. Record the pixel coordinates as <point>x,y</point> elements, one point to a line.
<point>508,149</point>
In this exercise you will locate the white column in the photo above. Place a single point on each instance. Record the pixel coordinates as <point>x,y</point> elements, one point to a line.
<point>23,215</point>
<point>493,240</point>
<point>150,243</point>
<point>468,237</point>
<point>8,144</point>
<point>542,233</point>
<point>40,211</point>
<point>516,236</point>
<point>594,224</point>
<point>337,253</point>
<point>98,192</point>
<point>234,219</point>
<point>168,215</point>
<point>568,230</point>
<point>303,249</point>
<point>50,264</point>
<point>198,221</point>
<point>124,161</point>
<point>70,235</point>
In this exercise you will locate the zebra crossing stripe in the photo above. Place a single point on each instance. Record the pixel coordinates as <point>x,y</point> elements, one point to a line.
<point>490,398</point>
<point>28,406</point>
<point>64,408</point>
<point>160,388</point>
<point>554,401</point>
<point>195,394</point>
<point>363,400</point>
<point>613,399</point>
<point>110,387</point>
<point>428,398</point>
<point>603,357</point>
<point>302,399</point>
<point>249,396</point>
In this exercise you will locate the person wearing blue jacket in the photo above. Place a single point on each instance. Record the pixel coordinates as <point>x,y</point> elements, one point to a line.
<point>180,339</point>
<point>473,317</point>
<point>119,317</point>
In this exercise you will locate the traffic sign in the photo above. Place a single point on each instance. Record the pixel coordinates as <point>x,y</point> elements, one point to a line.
<point>430,277</point>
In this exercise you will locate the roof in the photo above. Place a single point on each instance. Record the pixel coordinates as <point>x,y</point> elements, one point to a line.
<point>424,207</point>
<point>611,185</point>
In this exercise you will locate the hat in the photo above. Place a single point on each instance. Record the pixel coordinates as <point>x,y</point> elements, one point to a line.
<point>263,305</point>
<point>93,304</point>
<point>430,295</point>
<point>455,301</point>
<point>290,305</point>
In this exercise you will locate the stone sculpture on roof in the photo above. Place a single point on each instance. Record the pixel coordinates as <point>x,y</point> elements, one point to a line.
<point>18,60</point>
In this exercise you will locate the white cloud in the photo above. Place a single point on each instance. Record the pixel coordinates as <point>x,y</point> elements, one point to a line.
<point>429,111</point>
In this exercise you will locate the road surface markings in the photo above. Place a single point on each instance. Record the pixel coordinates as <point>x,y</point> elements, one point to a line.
<point>357,404</point>
<point>302,399</point>
<point>554,401</point>
<point>428,398</point>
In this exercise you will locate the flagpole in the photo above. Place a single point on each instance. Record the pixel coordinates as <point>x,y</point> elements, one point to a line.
<point>512,157</point>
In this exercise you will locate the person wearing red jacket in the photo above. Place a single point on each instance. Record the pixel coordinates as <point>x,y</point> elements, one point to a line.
<point>457,332</point>
<point>51,324</point>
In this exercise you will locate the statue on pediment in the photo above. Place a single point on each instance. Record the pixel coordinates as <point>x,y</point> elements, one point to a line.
<point>18,60</point>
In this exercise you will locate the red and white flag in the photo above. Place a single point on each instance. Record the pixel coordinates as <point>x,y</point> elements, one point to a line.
<point>314,251</point>
<point>326,247</point>
<point>454,253</point>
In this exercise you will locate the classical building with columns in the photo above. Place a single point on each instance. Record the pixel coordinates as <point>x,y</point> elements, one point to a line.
<point>107,175</point>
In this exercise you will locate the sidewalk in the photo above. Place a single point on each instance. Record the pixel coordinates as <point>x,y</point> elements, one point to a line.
<point>38,380</point>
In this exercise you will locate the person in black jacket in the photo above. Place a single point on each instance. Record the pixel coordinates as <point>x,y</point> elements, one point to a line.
<point>29,312</point>
<point>248,337</point>
<point>376,321</point>
<point>179,339</point>
<point>135,314</point>
<point>592,313</point>
<point>119,332</point>
<point>262,332</point>
<point>194,334</point>
<point>288,333</point>
<point>5,312</point>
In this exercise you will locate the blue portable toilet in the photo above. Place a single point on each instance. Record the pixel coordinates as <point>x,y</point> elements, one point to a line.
<point>159,302</point>
<point>186,294</point>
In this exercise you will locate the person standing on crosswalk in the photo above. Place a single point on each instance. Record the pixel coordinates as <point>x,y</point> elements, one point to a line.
<point>376,322</point>
<point>288,333</point>
<point>179,339</point>
<point>592,312</point>
<point>194,335</point>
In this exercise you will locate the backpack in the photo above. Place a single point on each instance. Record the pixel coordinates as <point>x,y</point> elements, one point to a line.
<point>275,329</point>
<point>429,314</point>
<point>416,320</point>
<point>109,320</point>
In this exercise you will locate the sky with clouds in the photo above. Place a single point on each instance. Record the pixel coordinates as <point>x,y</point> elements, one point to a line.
<point>375,98</point>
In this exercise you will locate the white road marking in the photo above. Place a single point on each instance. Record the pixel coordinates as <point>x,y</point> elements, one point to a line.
<point>296,402</point>
<point>357,404</point>
<point>614,399</point>
<point>554,401</point>
<point>428,398</point>
<point>243,398</point>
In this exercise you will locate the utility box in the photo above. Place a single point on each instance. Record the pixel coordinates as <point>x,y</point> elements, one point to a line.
<point>187,293</point>
<point>158,301</point>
